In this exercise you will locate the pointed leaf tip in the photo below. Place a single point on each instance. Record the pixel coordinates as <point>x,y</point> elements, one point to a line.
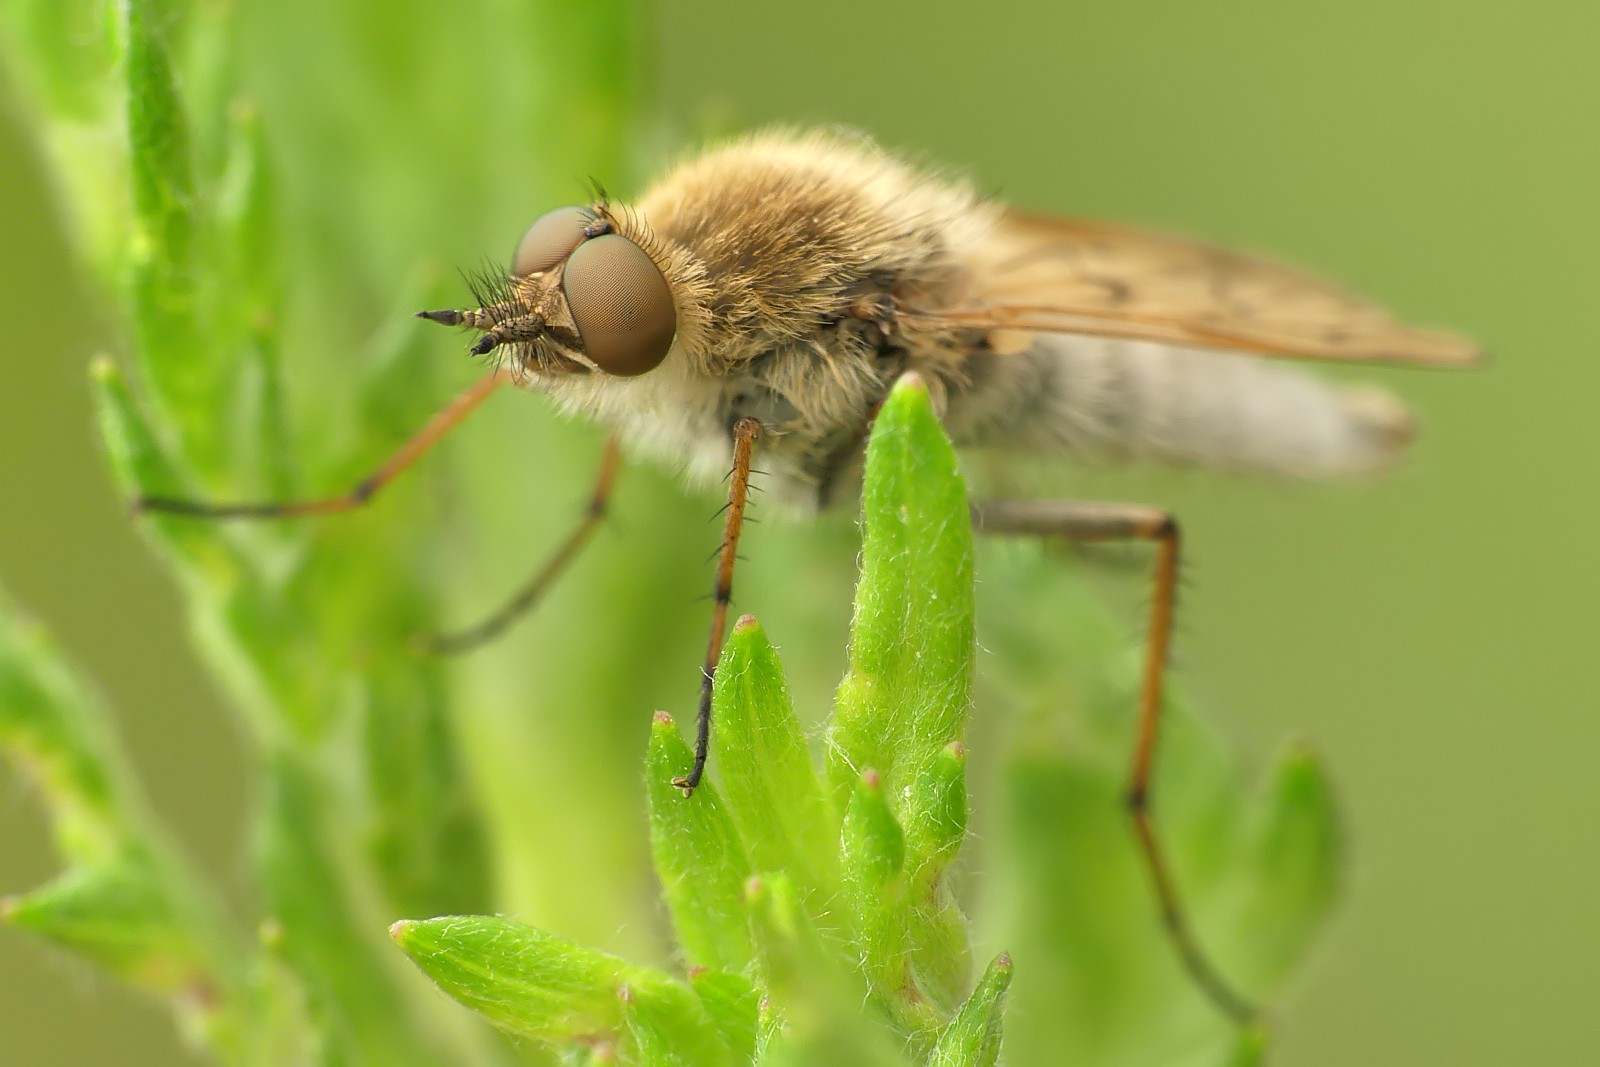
<point>936,811</point>
<point>973,1037</point>
<point>910,382</point>
<point>103,370</point>
<point>122,916</point>
<point>872,844</point>
<point>1250,1047</point>
<point>270,934</point>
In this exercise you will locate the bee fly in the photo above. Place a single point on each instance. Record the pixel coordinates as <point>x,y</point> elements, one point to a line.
<point>762,298</point>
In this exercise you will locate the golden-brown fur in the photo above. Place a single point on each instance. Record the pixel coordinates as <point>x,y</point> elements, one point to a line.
<point>809,270</point>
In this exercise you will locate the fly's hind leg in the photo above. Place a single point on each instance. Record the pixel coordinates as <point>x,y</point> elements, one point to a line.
<point>1095,522</point>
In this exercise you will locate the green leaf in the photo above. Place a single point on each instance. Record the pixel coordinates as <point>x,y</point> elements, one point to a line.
<point>904,702</point>
<point>1098,979</point>
<point>872,846</point>
<point>939,943</point>
<point>698,857</point>
<point>121,917</point>
<point>127,902</point>
<point>939,823</point>
<point>248,287</point>
<point>424,833</point>
<point>317,930</point>
<point>1076,897</point>
<point>71,48</point>
<point>872,857</point>
<point>814,998</point>
<point>143,468</point>
<point>1293,858</point>
<point>245,625</point>
<point>765,767</point>
<point>163,257</point>
<point>1089,941</point>
<point>973,1037</point>
<point>1250,1048</point>
<point>791,954</point>
<point>669,1031</point>
<point>533,983</point>
<point>733,1002</point>
<point>909,684</point>
<point>158,136</point>
<point>51,724</point>
<point>899,935</point>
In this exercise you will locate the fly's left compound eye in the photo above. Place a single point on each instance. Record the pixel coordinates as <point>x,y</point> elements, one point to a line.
<point>620,304</point>
<point>549,240</point>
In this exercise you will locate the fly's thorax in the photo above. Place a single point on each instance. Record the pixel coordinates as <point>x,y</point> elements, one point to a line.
<point>785,233</point>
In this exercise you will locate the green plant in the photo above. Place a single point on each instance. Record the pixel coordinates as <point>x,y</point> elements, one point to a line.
<point>248,223</point>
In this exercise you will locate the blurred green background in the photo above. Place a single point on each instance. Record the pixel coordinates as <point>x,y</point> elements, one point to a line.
<point>1426,633</point>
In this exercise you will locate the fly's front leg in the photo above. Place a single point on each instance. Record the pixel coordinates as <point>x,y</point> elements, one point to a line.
<point>1091,522</point>
<point>745,432</point>
<point>534,589</point>
<point>452,415</point>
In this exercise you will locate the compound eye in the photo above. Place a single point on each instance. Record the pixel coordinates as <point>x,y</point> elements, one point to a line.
<point>550,240</point>
<point>620,304</point>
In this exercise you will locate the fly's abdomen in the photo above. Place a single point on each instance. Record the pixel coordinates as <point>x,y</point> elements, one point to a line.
<point>1110,399</point>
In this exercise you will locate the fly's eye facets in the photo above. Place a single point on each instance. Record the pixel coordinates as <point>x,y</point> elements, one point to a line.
<point>550,240</point>
<point>621,305</point>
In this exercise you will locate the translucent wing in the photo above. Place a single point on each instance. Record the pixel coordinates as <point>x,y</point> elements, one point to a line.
<point>1058,275</point>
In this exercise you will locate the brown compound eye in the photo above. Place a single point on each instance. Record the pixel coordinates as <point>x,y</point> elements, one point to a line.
<point>550,240</point>
<point>620,304</point>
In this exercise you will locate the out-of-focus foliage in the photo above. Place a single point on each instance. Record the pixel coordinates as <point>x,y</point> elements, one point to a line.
<point>251,233</point>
